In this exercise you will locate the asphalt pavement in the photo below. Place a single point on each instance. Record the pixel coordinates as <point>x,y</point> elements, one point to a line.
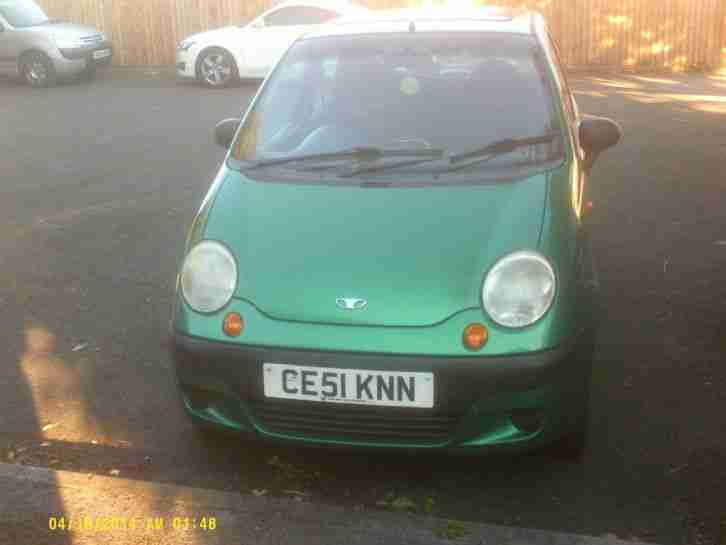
<point>57,507</point>
<point>98,184</point>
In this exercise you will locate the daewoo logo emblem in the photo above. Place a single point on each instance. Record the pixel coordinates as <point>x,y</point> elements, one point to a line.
<point>351,303</point>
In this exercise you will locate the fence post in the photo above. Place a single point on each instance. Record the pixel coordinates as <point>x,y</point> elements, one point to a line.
<point>557,21</point>
<point>720,22</point>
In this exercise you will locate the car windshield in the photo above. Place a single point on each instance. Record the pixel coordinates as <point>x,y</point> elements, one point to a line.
<point>413,91</point>
<point>22,13</point>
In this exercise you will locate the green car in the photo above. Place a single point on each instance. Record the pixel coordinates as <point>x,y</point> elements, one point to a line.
<point>395,252</point>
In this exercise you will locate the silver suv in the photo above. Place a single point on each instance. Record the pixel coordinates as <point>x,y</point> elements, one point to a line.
<point>41,50</point>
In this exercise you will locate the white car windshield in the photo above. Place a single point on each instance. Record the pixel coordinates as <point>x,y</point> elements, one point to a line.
<point>22,13</point>
<point>453,92</point>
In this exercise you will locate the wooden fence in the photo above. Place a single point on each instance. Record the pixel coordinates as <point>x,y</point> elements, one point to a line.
<point>629,34</point>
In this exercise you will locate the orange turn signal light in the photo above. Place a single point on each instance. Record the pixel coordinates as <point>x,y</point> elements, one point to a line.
<point>475,336</point>
<point>233,324</point>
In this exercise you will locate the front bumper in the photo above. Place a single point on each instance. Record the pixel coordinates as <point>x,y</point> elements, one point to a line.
<point>185,64</point>
<point>71,62</point>
<point>511,402</point>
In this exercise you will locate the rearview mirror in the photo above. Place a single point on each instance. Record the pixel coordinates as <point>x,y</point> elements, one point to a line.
<point>224,132</point>
<point>598,134</point>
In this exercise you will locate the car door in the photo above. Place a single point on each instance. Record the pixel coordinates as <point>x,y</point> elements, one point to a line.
<point>280,28</point>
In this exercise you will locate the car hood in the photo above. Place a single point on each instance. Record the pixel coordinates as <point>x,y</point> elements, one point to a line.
<point>416,255</point>
<point>68,30</point>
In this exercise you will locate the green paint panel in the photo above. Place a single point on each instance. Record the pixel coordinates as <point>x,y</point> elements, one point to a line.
<point>417,255</point>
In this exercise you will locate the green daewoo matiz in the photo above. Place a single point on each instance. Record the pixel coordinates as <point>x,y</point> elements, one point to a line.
<point>395,252</point>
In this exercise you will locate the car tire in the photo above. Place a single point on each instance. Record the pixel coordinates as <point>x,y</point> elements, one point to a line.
<point>37,70</point>
<point>573,444</point>
<point>206,432</point>
<point>89,74</point>
<point>216,68</point>
<point>212,435</point>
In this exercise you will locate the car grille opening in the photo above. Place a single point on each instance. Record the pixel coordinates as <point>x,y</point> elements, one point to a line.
<point>354,422</point>
<point>92,39</point>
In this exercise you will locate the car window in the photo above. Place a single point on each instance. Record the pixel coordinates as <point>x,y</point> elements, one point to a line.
<point>456,92</point>
<point>299,15</point>
<point>279,105</point>
<point>22,13</point>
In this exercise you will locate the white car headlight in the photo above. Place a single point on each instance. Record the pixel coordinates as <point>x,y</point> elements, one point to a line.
<point>184,45</point>
<point>519,289</point>
<point>208,277</point>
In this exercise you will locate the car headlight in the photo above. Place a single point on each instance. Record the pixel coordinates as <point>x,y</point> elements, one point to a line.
<point>184,45</point>
<point>208,277</point>
<point>519,289</point>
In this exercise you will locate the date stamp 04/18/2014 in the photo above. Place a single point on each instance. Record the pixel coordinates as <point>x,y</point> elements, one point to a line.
<point>86,523</point>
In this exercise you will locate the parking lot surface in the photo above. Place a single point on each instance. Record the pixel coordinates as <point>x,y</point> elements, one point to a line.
<point>98,184</point>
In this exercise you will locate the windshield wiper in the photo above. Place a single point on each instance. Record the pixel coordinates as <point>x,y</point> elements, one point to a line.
<point>432,155</point>
<point>360,154</point>
<point>495,149</point>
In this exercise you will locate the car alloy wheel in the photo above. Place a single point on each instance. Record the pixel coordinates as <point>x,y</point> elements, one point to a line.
<point>217,68</point>
<point>38,70</point>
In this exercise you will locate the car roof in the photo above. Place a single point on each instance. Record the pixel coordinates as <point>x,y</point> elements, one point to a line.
<point>342,6</point>
<point>438,18</point>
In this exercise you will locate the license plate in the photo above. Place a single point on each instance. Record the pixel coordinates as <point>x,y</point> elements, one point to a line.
<point>101,54</point>
<point>356,386</point>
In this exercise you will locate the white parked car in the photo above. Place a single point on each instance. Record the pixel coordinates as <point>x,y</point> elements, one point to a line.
<point>219,57</point>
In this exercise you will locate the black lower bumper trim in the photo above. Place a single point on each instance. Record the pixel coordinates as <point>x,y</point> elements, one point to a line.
<point>236,370</point>
<point>361,422</point>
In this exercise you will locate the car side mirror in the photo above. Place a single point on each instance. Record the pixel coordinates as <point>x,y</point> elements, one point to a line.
<point>598,134</point>
<point>224,132</point>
